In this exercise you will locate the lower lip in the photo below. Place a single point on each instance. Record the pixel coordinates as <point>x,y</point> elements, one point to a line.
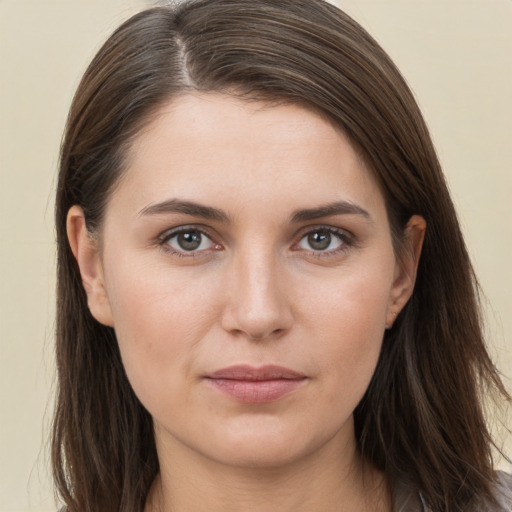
<point>256,392</point>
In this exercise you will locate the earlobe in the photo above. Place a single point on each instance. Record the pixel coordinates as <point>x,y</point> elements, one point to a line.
<point>85,250</point>
<point>406,267</point>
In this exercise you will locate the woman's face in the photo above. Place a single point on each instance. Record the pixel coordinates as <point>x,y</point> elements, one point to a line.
<point>247,267</point>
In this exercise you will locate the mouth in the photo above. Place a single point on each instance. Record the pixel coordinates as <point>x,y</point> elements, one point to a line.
<point>252,385</point>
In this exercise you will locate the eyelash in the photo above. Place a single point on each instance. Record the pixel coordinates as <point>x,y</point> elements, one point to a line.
<point>163,241</point>
<point>347,240</point>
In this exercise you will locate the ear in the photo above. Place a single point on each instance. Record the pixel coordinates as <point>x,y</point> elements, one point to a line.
<point>86,252</point>
<point>406,267</point>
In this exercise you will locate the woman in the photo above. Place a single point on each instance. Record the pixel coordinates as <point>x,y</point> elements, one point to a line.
<point>265,301</point>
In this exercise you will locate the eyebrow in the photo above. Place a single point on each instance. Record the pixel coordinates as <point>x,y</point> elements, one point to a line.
<point>328,210</point>
<point>186,207</point>
<point>210,213</point>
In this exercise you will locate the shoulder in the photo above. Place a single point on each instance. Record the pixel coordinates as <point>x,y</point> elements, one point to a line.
<point>502,495</point>
<point>503,491</point>
<point>408,499</point>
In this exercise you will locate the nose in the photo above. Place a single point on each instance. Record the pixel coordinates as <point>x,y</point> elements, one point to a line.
<point>258,304</point>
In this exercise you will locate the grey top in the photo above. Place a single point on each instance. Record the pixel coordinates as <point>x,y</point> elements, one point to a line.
<point>410,500</point>
<point>407,499</point>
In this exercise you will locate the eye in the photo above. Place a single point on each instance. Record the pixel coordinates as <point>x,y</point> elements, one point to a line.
<point>188,240</point>
<point>322,240</point>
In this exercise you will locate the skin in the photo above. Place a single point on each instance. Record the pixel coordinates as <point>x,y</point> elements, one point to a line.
<point>257,291</point>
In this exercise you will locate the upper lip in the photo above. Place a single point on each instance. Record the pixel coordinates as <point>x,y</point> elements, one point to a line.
<point>251,373</point>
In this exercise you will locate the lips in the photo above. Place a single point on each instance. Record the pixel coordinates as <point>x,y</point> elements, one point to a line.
<point>249,373</point>
<point>248,384</point>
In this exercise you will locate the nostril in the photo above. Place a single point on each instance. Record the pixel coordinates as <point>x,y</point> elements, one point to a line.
<point>255,328</point>
<point>267,335</point>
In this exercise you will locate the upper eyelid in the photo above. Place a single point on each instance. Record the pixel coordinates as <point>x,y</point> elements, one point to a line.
<point>207,230</point>
<point>324,227</point>
<point>169,233</point>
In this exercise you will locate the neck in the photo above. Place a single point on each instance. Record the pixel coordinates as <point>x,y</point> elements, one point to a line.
<point>320,481</point>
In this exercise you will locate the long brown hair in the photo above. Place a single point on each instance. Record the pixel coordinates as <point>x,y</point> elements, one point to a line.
<point>421,420</point>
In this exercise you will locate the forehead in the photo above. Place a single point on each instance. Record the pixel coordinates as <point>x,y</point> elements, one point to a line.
<point>214,147</point>
<point>250,122</point>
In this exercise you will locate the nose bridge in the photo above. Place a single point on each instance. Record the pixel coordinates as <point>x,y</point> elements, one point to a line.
<point>258,304</point>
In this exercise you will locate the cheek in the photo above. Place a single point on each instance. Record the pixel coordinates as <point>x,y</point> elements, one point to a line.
<point>348,322</point>
<point>159,319</point>
<point>353,300</point>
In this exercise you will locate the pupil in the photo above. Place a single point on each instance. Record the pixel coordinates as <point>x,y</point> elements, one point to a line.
<point>319,240</point>
<point>189,241</point>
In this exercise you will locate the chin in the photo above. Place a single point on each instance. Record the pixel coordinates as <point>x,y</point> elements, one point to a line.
<point>268,446</point>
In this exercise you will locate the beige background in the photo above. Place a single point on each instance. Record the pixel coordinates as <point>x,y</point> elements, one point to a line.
<point>457,56</point>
